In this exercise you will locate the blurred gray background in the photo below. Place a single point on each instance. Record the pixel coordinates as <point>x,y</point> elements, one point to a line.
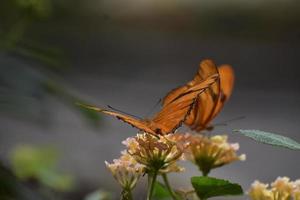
<point>129,54</point>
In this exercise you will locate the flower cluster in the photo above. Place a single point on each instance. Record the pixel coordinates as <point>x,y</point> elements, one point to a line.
<point>158,155</point>
<point>281,189</point>
<point>155,153</point>
<point>209,152</point>
<point>126,170</point>
<point>145,154</point>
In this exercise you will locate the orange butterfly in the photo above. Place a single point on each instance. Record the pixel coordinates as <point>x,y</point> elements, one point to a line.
<point>212,100</point>
<point>172,114</point>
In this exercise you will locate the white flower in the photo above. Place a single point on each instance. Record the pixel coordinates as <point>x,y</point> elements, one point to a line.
<point>126,170</point>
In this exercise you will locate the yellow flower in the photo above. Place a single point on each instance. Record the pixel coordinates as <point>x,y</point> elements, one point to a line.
<point>157,154</point>
<point>259,191</point>
<point>282,188</point>
<point>126,171</point>
<point>296,190</point>
<point>209,152</point>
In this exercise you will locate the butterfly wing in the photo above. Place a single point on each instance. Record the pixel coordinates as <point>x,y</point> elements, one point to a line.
<point>176,107</point>
<point>226,83</point>
<point>206,102</point>
<point>173,94</point>
<point>212,100</point>
<point>177,110</point>
<point>206,69</point>
<point>137,123</point>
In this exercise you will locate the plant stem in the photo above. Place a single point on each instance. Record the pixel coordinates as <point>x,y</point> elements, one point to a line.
<point>205,173</point>
<point>126,194</point>
<point>167,184</point>
<point>151,182</point>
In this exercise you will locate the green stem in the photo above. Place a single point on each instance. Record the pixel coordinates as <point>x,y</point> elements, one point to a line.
<point>167,184</point>
<point>205,170</point>
<point>151,181</point>
<point>205,173</point>
<point>126,194</point>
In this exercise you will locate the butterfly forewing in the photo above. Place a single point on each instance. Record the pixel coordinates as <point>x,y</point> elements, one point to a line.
<point>172,115</point>
<point>137,123</point>
<point>184,90</point>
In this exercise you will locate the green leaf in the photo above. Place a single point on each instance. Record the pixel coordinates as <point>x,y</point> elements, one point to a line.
<point>160,191</point>
<point>207,187</point>
<point>13,188</point>
<point>270,138</point>
<point>28,160</point>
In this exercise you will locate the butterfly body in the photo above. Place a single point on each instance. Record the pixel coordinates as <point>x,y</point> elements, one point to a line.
<point>155,127</point>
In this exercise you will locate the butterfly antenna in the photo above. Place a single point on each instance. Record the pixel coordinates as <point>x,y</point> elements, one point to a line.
<point>224,123</point>
<point>153,108</point>
<point>115,109</point>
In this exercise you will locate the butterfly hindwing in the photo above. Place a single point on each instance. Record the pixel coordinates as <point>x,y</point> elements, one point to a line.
<point>210,101</point>
<point>226,86</point>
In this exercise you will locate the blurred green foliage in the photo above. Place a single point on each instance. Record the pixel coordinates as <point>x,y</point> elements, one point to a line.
<point>12,189</point>
<point>31,69</point>
<point>40,164</point>
<point>40,8</point>
<point>17,17</point>
<point>99,195</point>
<point>24,91</point>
